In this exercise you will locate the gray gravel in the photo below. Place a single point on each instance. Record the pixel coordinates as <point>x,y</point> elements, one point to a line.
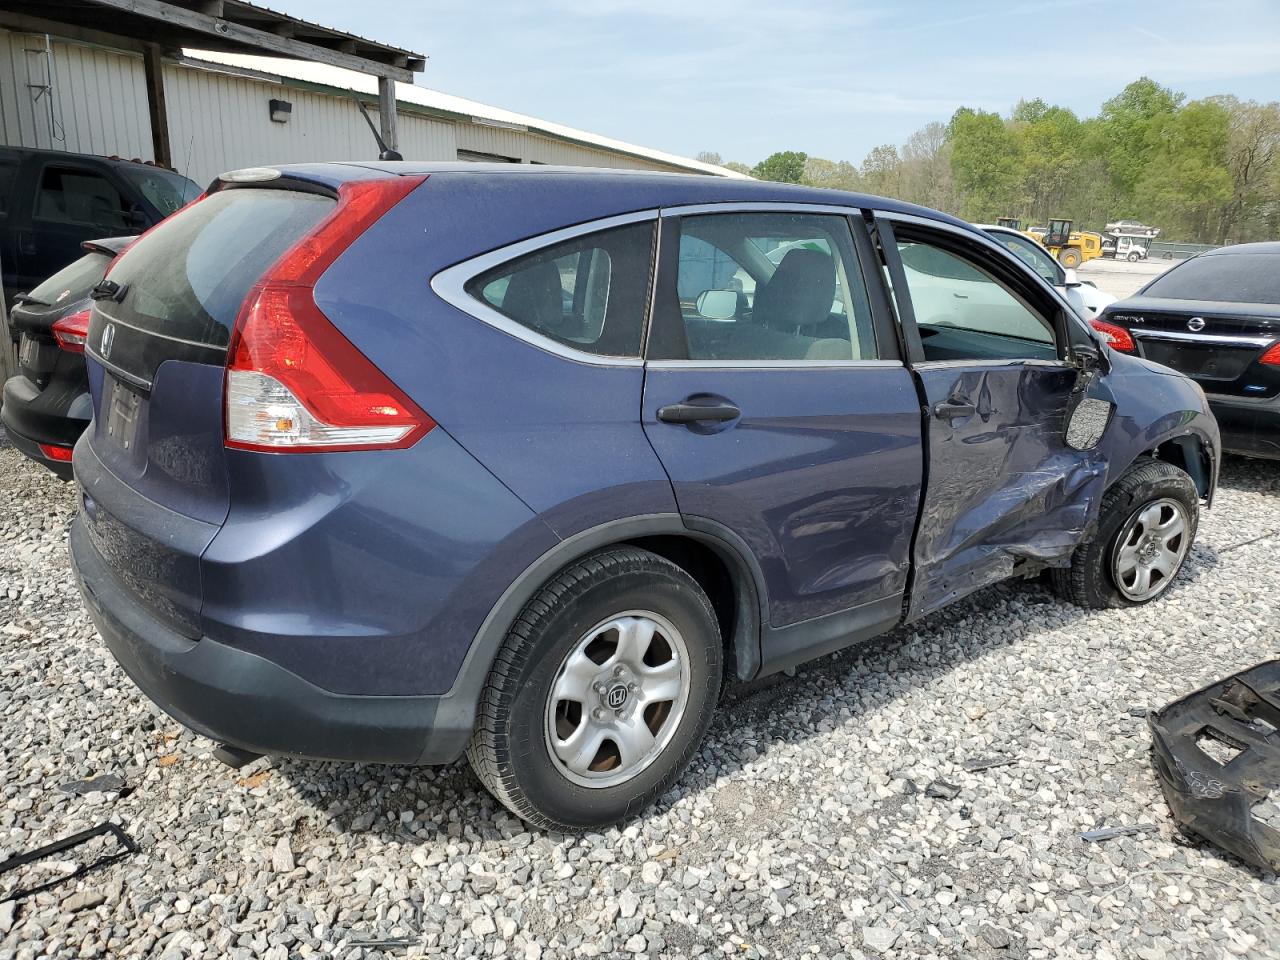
<point>803,828</point>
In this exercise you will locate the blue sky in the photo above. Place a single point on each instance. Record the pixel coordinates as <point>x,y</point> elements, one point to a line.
<point>745,78</point>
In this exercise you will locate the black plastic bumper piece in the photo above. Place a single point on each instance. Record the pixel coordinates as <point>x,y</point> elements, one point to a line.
<point>1248,426</point>
<point>1240,715</point>
<point>254,705</point>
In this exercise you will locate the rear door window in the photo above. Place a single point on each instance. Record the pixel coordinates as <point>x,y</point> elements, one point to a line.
<point>770,287</point>
<point>79,195</point>
<point>589,293</point>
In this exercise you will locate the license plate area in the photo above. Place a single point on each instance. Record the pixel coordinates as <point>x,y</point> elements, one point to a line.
<point>1204,362</point>
<point>36,357</point>
<point>123,414</point>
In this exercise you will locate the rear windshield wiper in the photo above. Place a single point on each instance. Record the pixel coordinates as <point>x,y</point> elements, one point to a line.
<point>27,299</point>
<point>109,290</point>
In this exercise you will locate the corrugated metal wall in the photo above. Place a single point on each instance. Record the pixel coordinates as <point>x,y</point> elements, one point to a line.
<point>72,97</point>
<point>220,121</point>
<point>87,99</point>
<point>531,147</point>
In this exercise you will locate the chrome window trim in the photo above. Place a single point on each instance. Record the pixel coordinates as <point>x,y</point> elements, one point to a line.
<point>1220,339</point>
<point>759,206</point>
<point>1004,362</point>
<point>768,364</point>
<point>450,286</point>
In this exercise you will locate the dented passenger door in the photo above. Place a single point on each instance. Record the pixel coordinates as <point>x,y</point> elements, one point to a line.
<point>990,350</point>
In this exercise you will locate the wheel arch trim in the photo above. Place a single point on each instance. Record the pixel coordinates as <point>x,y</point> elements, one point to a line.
<point>749,595</point>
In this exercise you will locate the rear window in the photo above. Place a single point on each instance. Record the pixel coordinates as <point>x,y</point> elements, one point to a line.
<point>1232,278</point>
<point>73,282</point>
<point>188,277</point>
<point>164,190</point>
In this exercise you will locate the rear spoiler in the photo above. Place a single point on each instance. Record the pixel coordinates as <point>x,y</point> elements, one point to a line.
<point>111,246</point>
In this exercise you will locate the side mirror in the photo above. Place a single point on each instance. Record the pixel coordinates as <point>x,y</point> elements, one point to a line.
<point>717,304</point>
<point>135,219</point>
<point>1070,279</point>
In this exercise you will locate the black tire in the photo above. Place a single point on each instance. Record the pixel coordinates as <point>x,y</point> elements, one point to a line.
<point>1089,581</point>
<point>1134,257</point>
<point>509,750</point>
<point>1069,257</point>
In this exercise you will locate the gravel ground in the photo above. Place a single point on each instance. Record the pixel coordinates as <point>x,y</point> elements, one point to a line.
<point>804,827</point>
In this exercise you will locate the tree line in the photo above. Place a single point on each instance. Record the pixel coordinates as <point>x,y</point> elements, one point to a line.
<point>1204,171</point>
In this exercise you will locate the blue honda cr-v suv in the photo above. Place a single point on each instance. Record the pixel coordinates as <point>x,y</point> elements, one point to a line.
<point>393,462</point>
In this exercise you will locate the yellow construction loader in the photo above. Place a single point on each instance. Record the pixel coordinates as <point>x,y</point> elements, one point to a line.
<point>1070,247</point>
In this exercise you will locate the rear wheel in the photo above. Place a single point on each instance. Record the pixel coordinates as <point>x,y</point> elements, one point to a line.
<point>1069,257</point>
<point>1145,531</point>
<point>601,693</point>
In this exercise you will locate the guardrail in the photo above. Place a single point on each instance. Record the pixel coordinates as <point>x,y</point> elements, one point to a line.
<point>1161,250</point>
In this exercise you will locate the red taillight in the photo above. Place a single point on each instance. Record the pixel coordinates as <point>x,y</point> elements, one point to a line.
<point>1118,338</point>
<point>72,331</point>
<point>61,454</point>
<point>294,383</point>
<point>1272,356</point>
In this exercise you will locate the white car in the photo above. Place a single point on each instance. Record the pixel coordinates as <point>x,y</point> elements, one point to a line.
<point>1087,299</point>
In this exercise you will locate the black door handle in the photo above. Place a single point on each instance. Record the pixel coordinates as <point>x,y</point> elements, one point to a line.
<point>954,410</point>
<point>697,410</point>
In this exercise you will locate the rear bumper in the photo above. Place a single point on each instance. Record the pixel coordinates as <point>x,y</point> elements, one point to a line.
<point>28,426</point>
<point>1250,427</point>
<point>242,699</point>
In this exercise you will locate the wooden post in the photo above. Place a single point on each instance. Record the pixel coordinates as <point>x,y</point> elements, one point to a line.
<point>8,361</point>
<point>156,105</point>
<point>387,112</point>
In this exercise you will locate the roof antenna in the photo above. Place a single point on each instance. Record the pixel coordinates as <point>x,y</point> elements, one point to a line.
<point>384,152</point>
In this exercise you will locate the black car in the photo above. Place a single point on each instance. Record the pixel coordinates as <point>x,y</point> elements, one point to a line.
<point>51,201</point>
<point>1216,318</point>
<point>46,405</point>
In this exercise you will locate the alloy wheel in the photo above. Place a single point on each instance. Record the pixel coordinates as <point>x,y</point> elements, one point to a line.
<point>1150,549</point>
<point>617,699</point>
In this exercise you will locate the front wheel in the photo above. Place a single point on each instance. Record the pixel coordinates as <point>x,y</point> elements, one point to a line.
<point>601,693</point>
<point>1145,531</point>
<point>1069,257</point>
<point>1135,257</point>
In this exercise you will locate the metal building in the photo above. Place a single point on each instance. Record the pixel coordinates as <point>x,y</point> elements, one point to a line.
<point>228,110</point>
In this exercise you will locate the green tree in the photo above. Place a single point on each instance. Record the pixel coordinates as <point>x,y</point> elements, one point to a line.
<point>984,163</point>
<point>786,166</point>
<point>926,169</point>
<point>1127,120</point>
<point>831,174</point>
<point>1253,160</point>
<point>882,171</point>
<point>1185,182</point>
<point>1049,157</point>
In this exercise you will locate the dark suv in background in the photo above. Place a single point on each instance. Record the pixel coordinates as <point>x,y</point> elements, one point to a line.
<point>52,201</point>
<point>395,461</point>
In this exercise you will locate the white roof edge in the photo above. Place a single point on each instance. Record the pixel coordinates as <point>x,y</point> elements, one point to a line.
<point>341,79</point>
